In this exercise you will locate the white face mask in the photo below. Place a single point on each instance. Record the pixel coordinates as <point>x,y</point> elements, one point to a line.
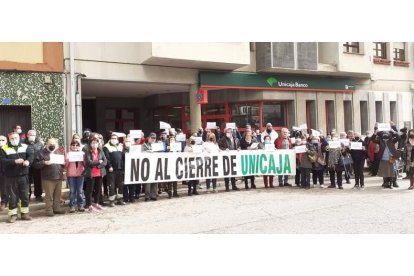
<point>268,142</point>
<point>19,131</point>
<point>15,142</point>
<point>114,142</point>
<point>31,138</point>
<point>94,145</point>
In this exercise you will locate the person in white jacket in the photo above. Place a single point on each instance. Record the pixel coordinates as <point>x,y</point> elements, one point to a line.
<point>211,146</point>
<point>271,132</point>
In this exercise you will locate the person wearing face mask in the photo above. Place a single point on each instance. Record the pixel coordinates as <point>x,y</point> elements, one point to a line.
<point>22,135</point>
<point>271,132</point>
<point>74,172</point>
<point>298,142</point>
<point>192,184</point>
<point>245,144</point>
<point>334,161</point>
<point>267,179</point>
<point>130,189</point>
<point>388,154</point>
<point>226,143</point>
<point>211,146</point>
<point>3,193</point>
<point>76,137</point>
<point>358,157</point>
<point>409,158</point>
<point>171,187</point>
<point>34,174</point>
<point>115,157</point>
<point>52,176</point>
<point>283,142</point>
<point>95,163</point>
<point>318,167</point>
<point>306,164</point>
<point>16,159</point>
<point>150,188</point>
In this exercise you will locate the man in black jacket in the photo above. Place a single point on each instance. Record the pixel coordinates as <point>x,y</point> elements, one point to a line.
<point>16,159</point>
<point>34,174</point>
<point>114,154</point>
<point>358,158</point>
<point>228,142</point>
<point>3,193</point>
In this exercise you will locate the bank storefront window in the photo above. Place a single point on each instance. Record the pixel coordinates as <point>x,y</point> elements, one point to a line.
<point>214,109</point>
<point>274,113</point>
<point>245,113</point>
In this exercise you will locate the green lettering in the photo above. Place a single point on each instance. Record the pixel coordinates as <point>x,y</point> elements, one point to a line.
<point>263,167</point>
<point>272,169</point>
<point>244,164</point>
<point>252,164</point>
<point>280,168</point>
<point>287,168</point>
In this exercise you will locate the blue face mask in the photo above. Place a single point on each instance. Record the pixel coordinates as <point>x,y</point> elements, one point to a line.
<point>267,142</point>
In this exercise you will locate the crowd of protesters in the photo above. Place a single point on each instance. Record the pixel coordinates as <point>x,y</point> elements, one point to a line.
<point>96,180</point>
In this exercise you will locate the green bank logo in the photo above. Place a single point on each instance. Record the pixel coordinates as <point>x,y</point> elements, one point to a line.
<point>271,81</point>
<point>291,84</point>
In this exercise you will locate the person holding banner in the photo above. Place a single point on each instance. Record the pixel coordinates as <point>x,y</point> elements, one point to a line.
<point>95,162</point>
<point>16,159</point>
<point>51,162</point>
<point>283,142</point>
<point>249,143</point>
<point>74,172</point>
<point>228,142</point>
<point>150,188</point>
<point>358,157</point>
<point>115,156</point>
<point>298,142</point>
<point>267,179</point>
<point>211,146</point>
<point>171,186</point>
<point>192,184</point>
<point>409,158</point>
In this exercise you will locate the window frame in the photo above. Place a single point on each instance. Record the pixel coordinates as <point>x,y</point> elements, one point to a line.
<point>349,45</point>
<point>383,50</point>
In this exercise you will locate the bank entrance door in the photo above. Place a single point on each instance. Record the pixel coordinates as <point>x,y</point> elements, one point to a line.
<point>218,113</point>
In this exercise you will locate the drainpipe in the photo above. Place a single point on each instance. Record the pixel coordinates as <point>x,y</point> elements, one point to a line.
<point>74,94</point>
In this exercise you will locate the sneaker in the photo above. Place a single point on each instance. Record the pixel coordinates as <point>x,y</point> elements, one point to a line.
<point>12,219</point>
<point>39,199</point>
<point>153,198</point>
<point>199,187</point>
<point>322,186</point>
<point>81,209</point>
<point>340,188</point>
<point>175,195</point>
<point>362,187</point>
<point>214,190</point>
<point>72,210</point>
<point>99,207</point>
<point>411,188</point>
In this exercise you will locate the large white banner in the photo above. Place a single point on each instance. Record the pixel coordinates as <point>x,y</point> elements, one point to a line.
<point>182,166</point>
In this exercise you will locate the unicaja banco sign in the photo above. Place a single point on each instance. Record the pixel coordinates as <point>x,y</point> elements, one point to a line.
<point>276,83</point>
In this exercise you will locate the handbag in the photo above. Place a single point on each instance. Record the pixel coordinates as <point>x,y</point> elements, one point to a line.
<point>312,158</point>
<point>321,161</point>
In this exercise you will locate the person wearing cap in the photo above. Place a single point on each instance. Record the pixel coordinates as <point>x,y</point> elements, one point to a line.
<point>226,143</point>
<point>150,188</point>
<point>271,132</point>
<point>115,156</point>
<point>192,184</point>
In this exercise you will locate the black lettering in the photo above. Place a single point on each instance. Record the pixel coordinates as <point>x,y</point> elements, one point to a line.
<point>191,167</point>
<point>207,166</point>
<point>166,175</point>
<point>226,165</point>
<point>134,170</point>
<point>178,174</point>
<point>158,171</point>
<point>215,165</point>
<point>186,167</point>
<point>233,165</point>
<point>145,169</point>
<point>199,164</point>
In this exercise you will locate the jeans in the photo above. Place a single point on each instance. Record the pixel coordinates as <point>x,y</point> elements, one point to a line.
<point>76,191</point>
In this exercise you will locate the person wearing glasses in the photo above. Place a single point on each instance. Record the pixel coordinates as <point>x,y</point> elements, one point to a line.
<point>3,195</point>
<point>16,159</point>
<point>74,172</point>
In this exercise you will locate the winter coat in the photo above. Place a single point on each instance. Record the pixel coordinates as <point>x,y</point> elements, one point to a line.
<point>279,143</point>
<point>225,143</point>
<point>74,169</point>
<point>114,156</point>
<point>8,155</point>
<point>90,163</point>
<point>48,172</point>
<point>244,144</point>
<point>305,162</point>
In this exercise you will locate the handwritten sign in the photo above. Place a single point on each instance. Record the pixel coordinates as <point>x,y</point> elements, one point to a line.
<point>175,147</point>
<point>356,145</point>
<point>119,134</point>
<point>135,148</point>
<point>384,127</point>
<point>269,147</point>
<point>180,137</point>
<point>303,126</point>
<point>345,142</point>
<point>231,125</point>
<point>315,133</point>
<point>211,125</point>
<point>300,149</point>
<point>334,144</point>
<point>57,159</point>
<point>76,156</point>
<point>157,147</point>
<point>135,134</point>
<point>254,146</point>
<point>198,140</point>
<point>164,125</point>
<point>296,128</point>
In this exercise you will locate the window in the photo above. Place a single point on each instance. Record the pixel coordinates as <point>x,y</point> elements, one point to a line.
<point>245,113</point>
<point>214,109</point>
<point>275,114</point>
<point>399,51</point>
<point>121,120</point>
<point>351,47</point>
<point>172,115</point>
<point>380,50</point>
